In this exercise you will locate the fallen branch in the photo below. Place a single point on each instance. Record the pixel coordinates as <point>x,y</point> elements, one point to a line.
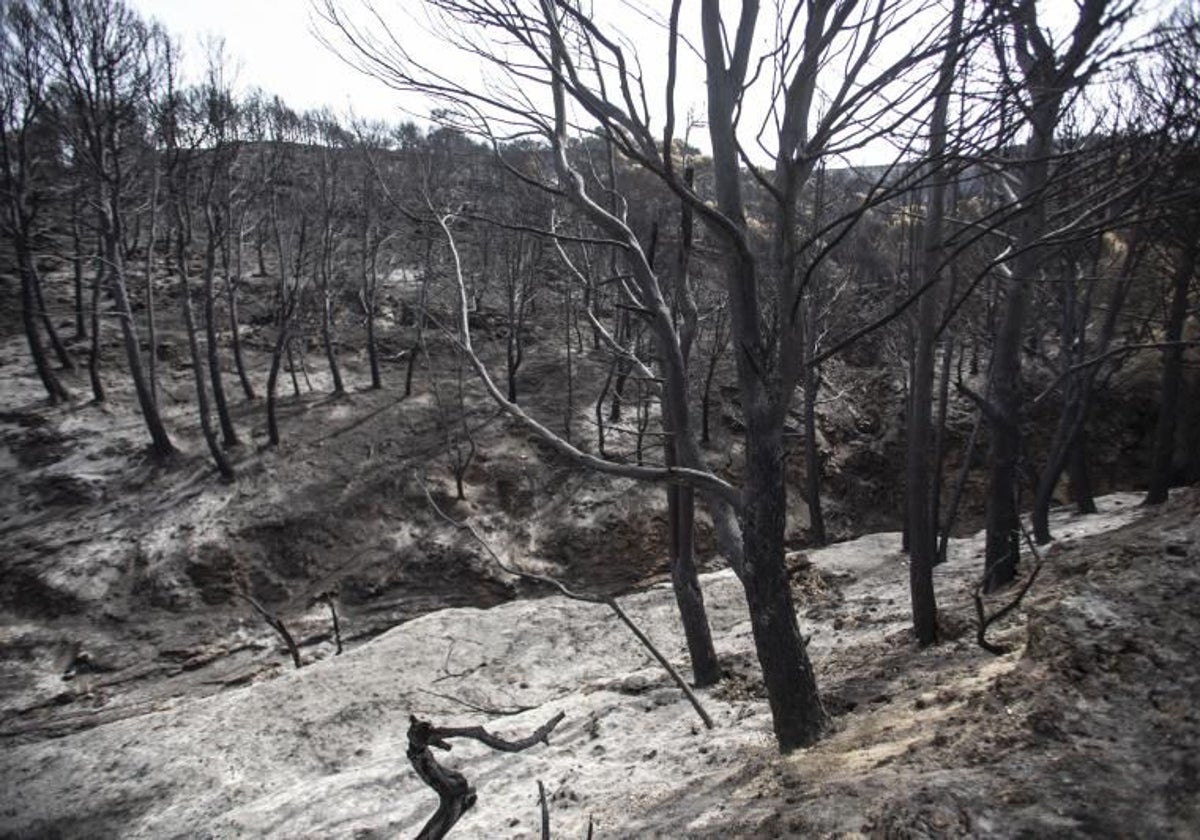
<point>276,624</point>
<point>495,711</point>
<point>455,794</point>
<point>606,600</point>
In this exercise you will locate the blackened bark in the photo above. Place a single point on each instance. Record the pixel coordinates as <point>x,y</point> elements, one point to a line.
<point>151,326</point>
<point>689,597</point>
<point>60,350</point>
<point>77,261</point>
<point>210,437</point>
<point>373,351</point>
<point>455,794</point>
<point>1162,469</point>
<point>1003,544</point>
<point>272,380</point>
<point>228,432</point>
<point>50,381</point>
<point>110,225</point>
<point>796,708</point>
<point>327,340</point>
<point>94,350</point>
<point>235,335</point>
<point>1079,475</point>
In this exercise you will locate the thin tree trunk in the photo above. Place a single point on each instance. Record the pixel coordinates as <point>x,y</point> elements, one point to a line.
<point>373,350</point>
<point>228,432</point>
<point>232,279</point>
<point>260,237</point>
<point>60,351</point>
<point>272,379</point>
<point>689,597</point>
<point>94,351</point>
<point>210,437</point>
<point>327,340</point>
<point>160,440</point>
<point>292,369</point>
<point>77,260</point>
<point>151,326</point>
<point>939,437</point>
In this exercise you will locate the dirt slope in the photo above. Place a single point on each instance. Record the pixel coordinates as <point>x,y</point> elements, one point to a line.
<point>1087,726</point>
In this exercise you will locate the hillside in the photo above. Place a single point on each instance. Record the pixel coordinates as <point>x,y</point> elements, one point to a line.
<point>1098,690</point>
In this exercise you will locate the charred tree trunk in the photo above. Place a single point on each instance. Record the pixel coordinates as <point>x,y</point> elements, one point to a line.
<point>1078,474</point>
<point>1162,470</point>
<point>921,480</point>
<point>327,339</point>
<point>151,325</point>
<point>28,271</point>
<point>232,280</point>
<point>94,350</point>
<point>228,432</point>
<point>373,350</point>
<point>281,340</point>
<point>1003,544</point>
<point>210,437</point>
<point>796,708</point>
<point>689,597</point>
<point>77,260</point>
<point>110,226</point>
<point>60,351</point>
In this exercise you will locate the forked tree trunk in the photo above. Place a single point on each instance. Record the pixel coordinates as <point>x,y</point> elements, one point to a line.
<point>210,437</point>
<point>160,440</point>
<point>50,381</point>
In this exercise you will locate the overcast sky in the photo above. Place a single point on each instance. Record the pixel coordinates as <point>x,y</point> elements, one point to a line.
<point>272,46</point>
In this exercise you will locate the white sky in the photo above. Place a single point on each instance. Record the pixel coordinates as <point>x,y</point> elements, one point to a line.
<point>272,46</point>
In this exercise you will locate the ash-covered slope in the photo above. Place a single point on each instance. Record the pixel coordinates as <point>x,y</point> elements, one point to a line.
<point>945,741</point>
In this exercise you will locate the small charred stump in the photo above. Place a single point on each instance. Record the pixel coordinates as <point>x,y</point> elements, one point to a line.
<point>455,794</point>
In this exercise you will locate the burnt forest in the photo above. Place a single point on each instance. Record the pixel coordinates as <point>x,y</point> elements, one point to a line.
<point>682,419</point>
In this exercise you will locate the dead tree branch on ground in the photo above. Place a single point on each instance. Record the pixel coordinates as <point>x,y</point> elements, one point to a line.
<point>455,794</point>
